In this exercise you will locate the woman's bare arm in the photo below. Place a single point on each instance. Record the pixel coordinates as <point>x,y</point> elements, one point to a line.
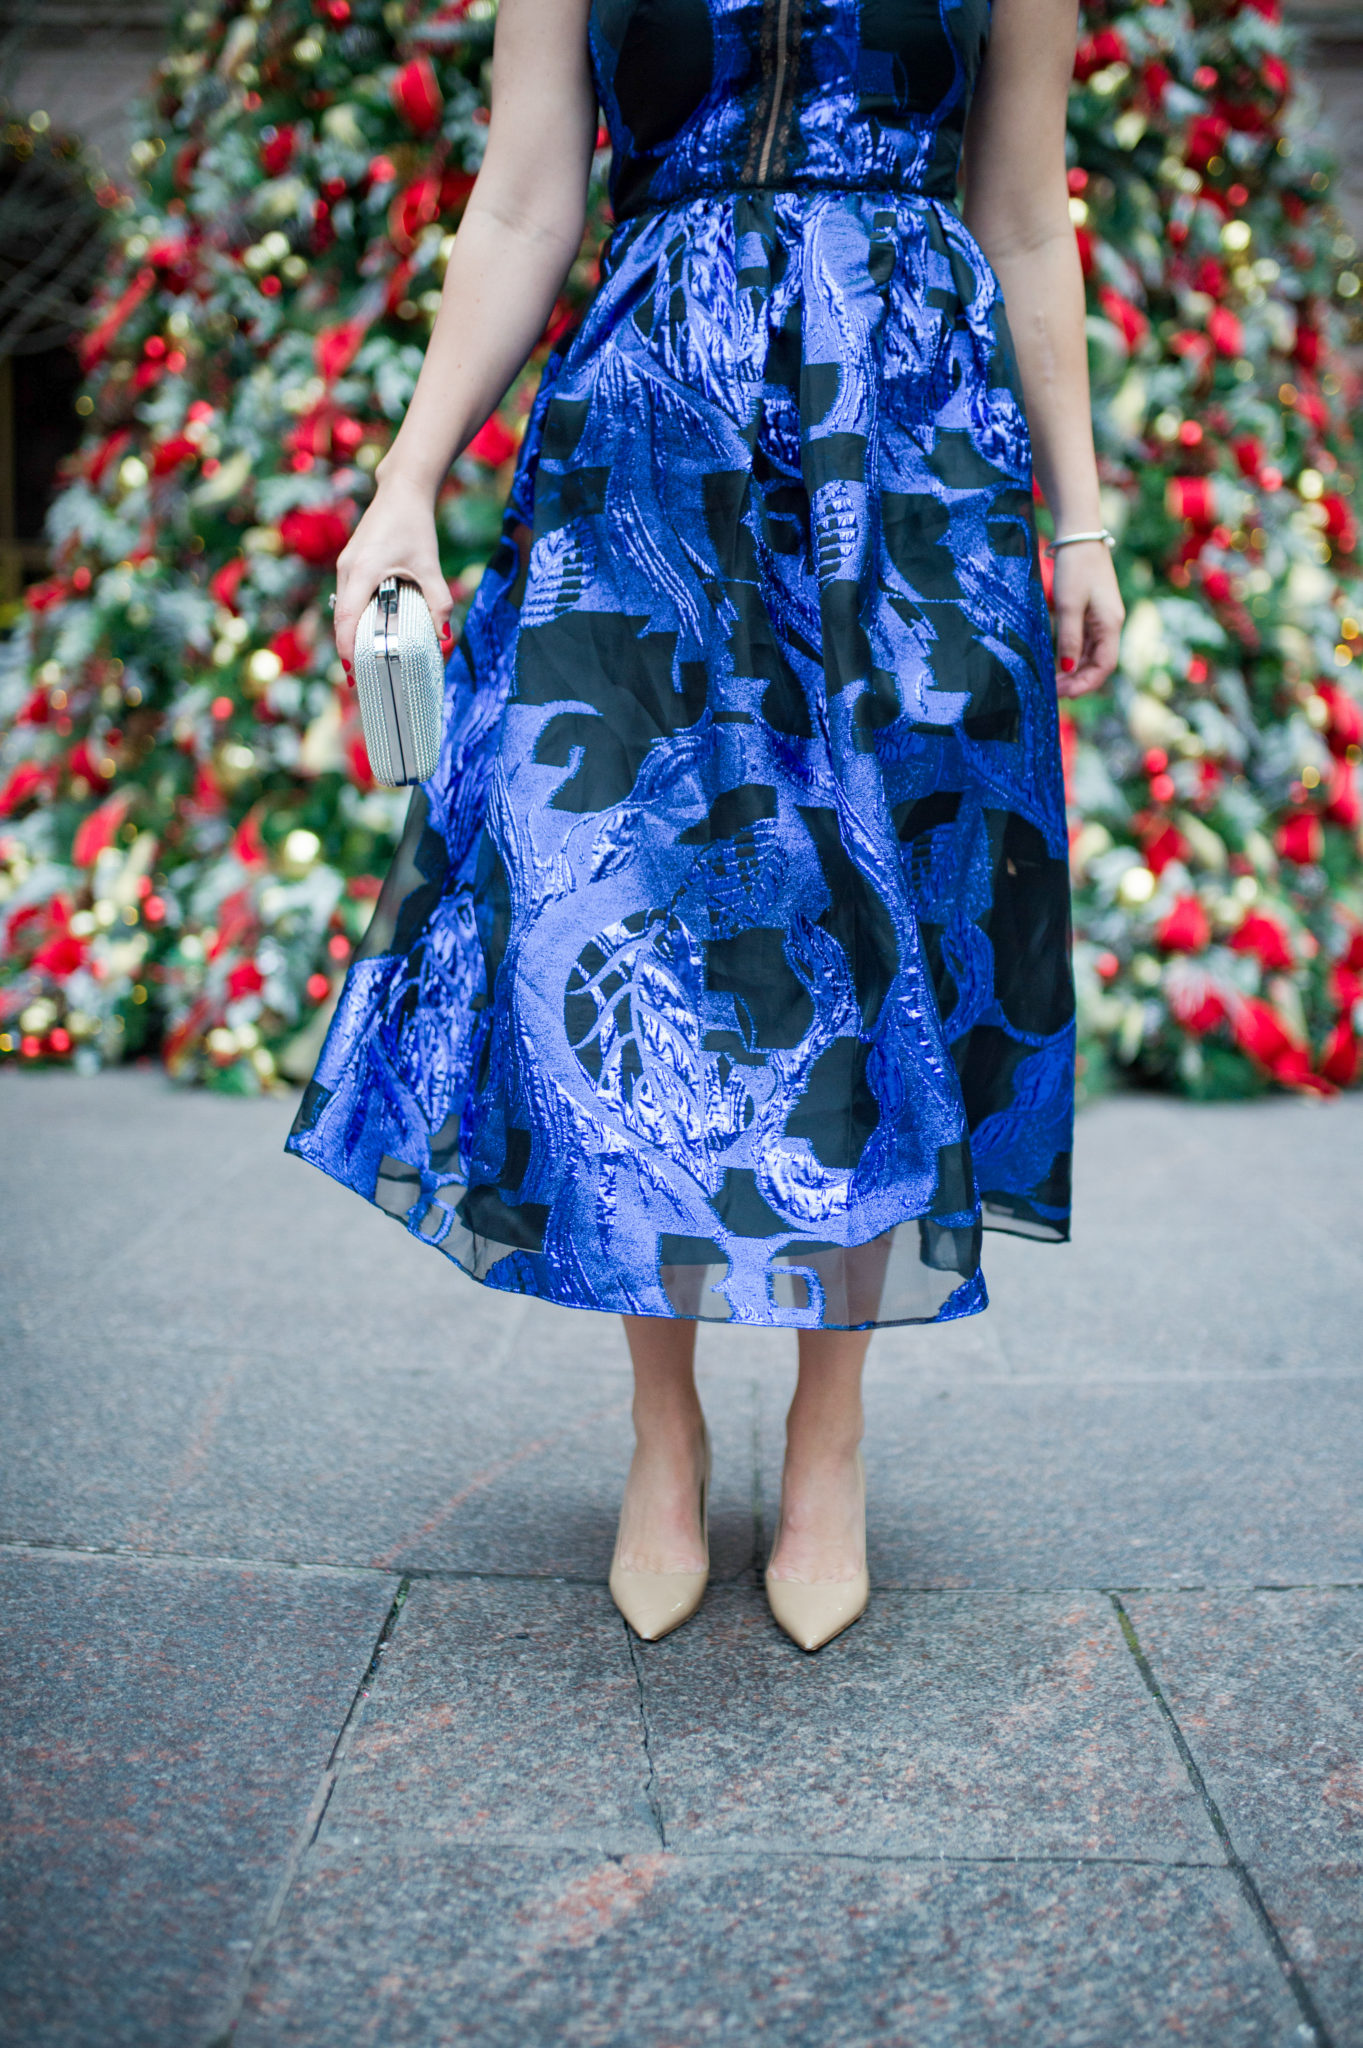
<point>1017,207</point>
<point>521,229</point>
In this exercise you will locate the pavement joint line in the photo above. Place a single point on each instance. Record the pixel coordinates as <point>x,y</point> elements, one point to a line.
<point>306,1836</point>
<point>1312,2026</point>
<point>756,1848</point>
<point>651,1783</point>
<point>740,1582</point>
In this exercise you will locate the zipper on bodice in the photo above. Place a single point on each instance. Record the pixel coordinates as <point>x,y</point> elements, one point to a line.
<point>765,162</point>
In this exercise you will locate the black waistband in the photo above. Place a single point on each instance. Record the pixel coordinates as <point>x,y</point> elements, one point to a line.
<point>801,188</point>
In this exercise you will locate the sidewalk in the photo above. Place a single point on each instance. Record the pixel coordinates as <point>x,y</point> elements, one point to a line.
<point>320,1727</point>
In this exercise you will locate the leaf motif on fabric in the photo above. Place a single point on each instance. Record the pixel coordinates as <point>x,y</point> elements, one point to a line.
<point>741,879</point>
<point>558,576</point>
<point>631,1013</point>
<point>799,1187</point>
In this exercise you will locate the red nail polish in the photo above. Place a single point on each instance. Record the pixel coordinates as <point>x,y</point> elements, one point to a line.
<point>1067,662</point>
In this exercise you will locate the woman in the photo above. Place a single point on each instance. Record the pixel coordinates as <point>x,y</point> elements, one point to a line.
<point>723,969</point>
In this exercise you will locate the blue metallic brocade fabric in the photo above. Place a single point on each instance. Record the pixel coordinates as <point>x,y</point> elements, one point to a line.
<point>723,970</point>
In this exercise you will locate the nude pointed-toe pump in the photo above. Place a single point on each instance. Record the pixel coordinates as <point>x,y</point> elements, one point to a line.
<point>654,1603</point>
<point>813,1612</point>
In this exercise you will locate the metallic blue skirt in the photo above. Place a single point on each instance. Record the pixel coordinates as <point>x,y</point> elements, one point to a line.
<point>723,969</point>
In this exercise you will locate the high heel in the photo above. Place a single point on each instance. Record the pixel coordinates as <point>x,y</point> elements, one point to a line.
<point>654,1603</point>
<point>813,1612</point>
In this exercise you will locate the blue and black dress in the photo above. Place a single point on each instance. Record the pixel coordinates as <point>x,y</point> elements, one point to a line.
<point>723,969</point>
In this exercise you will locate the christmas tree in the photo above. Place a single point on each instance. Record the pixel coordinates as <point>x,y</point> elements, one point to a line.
<point>189,837</point>
<point>1214,786</point>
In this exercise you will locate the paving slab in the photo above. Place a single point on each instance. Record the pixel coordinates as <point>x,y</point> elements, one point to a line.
<point>1206,1238</point>
<point>515,1950</point>
<point>955,1725</point>
<point>1121,1484</point>
<point>510,1459</point>
<point>504,1713</point>
<point>103,1166</point>
<point>165,1729</point>
<point>1268,1690</point>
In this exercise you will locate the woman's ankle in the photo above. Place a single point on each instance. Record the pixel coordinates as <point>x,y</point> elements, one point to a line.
<point>671,1434</point>
<point>823,1448</point>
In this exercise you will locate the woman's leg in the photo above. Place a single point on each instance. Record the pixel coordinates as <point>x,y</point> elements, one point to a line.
<point>660,1518</point>
<point>821,1533</point>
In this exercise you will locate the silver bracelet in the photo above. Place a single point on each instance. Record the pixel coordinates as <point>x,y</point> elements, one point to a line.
<point>1069,540</point>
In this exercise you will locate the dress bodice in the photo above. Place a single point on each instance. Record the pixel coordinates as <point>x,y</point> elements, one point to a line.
<point>722,95</point>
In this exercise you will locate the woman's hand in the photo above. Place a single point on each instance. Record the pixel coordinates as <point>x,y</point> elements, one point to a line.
<point>1088,617</point>
<point>396,537</point>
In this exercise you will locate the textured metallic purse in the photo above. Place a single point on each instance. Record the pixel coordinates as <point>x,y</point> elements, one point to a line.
<point>400,676</point>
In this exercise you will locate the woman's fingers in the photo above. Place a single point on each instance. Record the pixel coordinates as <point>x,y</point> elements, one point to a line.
<point>1069,635</point>
<point>355,586</point>
<point>1098,656</point>
<point>436,592</point>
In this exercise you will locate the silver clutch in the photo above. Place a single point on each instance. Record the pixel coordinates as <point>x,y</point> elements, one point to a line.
<point>400,675</point>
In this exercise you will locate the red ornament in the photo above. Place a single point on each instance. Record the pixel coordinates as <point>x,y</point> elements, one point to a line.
<point>414,208</point>
<point>247,844</point>
<point>318,987</point>
<point>1190,498</point>
<point>173,454</point>
<point>1265,938</point>
<point>1228,336</point>
<point>1155,79</point>
<point>1098,51</point>
<point>1346,987</point>
<point>98,831</point>
<point>1261,1032</point>
<point>1207,137</point>
<point>1341,1057</point>
<point>292,649</point>
<point>1162,843</point>
<point>1249,454</point>
<point>1345,728</point>
<point>80,762</point>
<point>1186,929</point>
<point>417,96</point>
<point>1128,319</point>
<point>224,583</point>
<point>1342,803</point>
<point>60,956</point>
<point>1301,838</point>
<point>245,979</point>
<point>336,348</point>
<point>492,444</point>
<point>276,151</point>
<point>1340,524</point>
<point>455,187</point>
<point>95,344</point>
<point>316,533</point>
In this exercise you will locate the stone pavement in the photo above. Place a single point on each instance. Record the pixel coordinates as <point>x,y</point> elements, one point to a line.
<point>320,1728</point>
